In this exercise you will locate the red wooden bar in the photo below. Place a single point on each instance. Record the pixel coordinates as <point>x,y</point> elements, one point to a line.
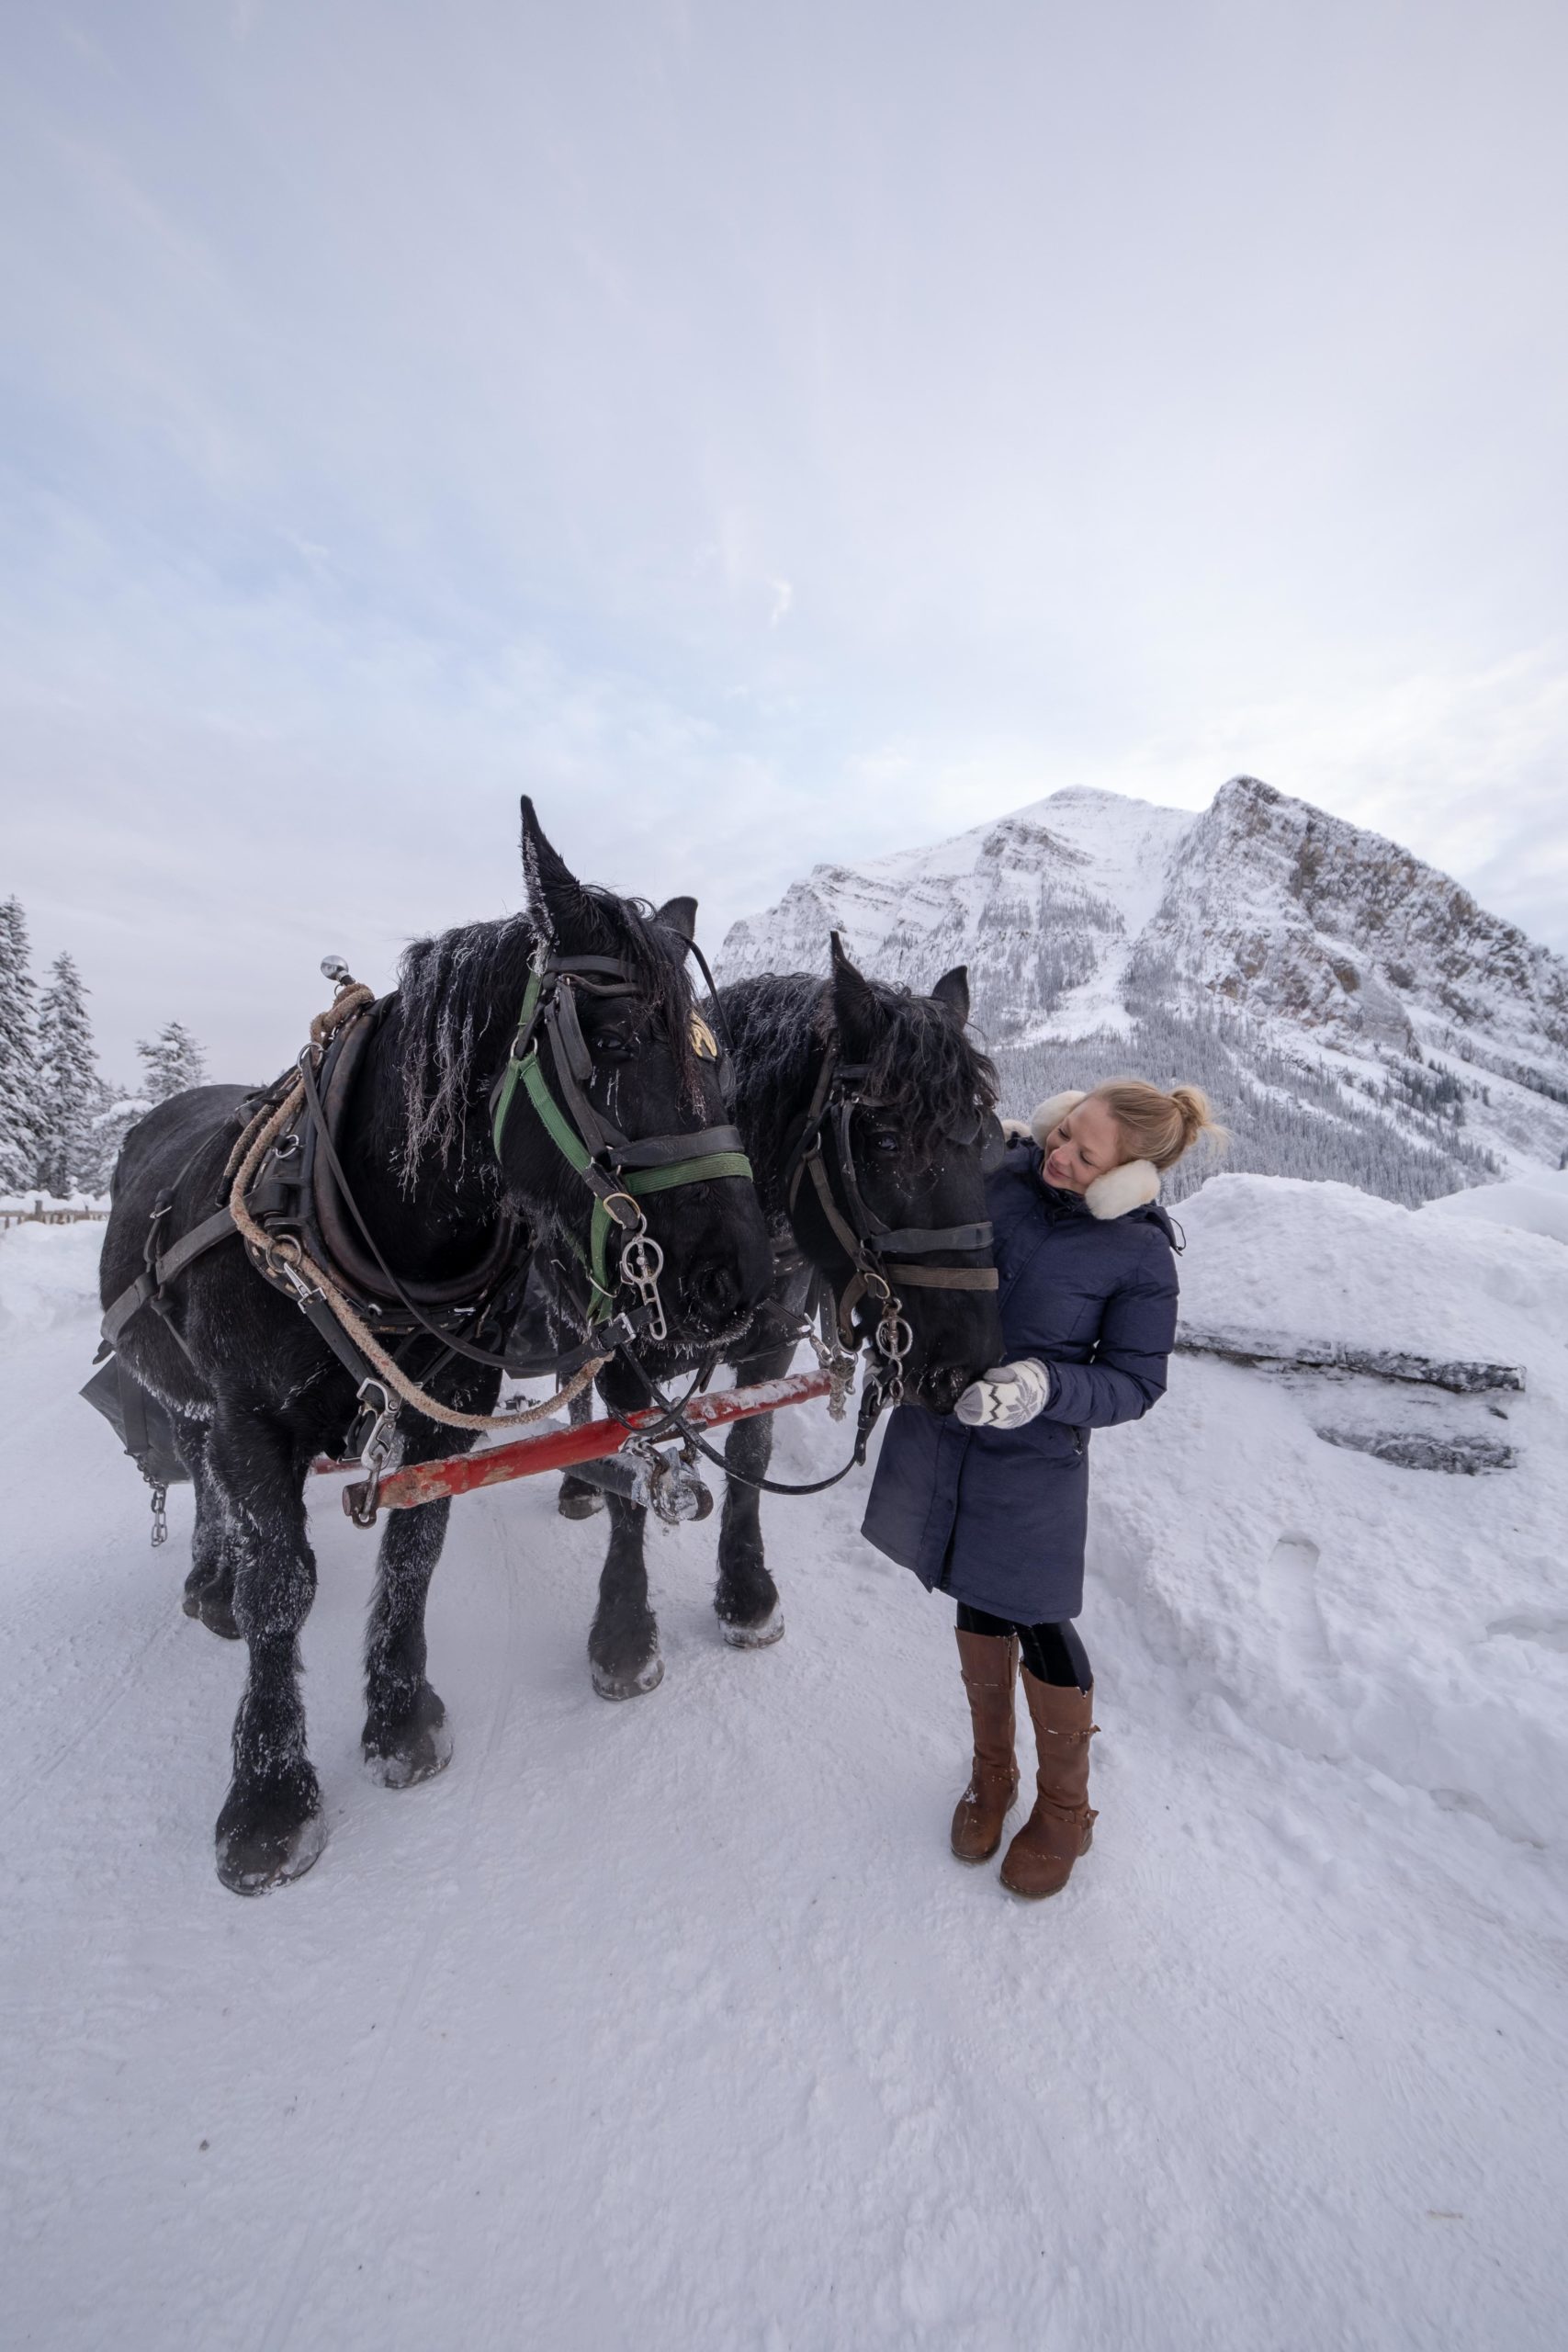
<point>525,1457</point>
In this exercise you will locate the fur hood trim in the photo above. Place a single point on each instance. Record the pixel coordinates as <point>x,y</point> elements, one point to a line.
<point>1131,1186</point>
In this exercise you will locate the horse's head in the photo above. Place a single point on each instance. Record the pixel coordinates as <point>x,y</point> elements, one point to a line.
<point>610,1115</point>
<point>905,1135</point>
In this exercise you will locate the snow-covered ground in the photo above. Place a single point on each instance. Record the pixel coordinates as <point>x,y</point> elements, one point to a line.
<point>674,2025</point>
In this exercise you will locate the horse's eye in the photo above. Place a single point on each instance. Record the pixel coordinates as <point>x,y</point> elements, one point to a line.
<point>616,1045</point>
<point>885,1141</point>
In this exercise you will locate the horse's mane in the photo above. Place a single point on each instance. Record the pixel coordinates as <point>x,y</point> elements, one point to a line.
<point>927,1075</point>
<point>459,996</point>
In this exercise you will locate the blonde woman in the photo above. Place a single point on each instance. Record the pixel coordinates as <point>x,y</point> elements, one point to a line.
<point>989,1504</point>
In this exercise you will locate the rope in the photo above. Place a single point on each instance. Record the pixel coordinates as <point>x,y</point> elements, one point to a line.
<point>258,1140</point>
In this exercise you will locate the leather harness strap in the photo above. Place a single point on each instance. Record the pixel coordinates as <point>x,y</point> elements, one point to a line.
<point>162,1270</point>
<point>861,1234</point>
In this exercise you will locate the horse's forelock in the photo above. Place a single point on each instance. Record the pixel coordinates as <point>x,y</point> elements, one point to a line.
<point>926,1072</point>
<point>460,993</point>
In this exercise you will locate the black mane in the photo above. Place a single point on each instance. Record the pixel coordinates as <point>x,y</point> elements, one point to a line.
<point>459,996</point>
<point>927,1073</point>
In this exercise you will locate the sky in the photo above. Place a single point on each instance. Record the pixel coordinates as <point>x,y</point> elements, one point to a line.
<point>765,432</point>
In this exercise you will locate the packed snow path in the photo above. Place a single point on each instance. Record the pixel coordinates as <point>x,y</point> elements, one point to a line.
<point>672,2025</point>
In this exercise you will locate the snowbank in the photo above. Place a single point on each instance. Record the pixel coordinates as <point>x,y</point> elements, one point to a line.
<point>49,1274</point>
<point>1405,1621</point>
<point>1534,1204</point>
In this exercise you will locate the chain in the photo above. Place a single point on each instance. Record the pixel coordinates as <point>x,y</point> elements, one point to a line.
<point>642,1262</point>
<point>374,1451</point>
<point>836,1362</point>
<point>160,1514</point>
<point>893,1338</point>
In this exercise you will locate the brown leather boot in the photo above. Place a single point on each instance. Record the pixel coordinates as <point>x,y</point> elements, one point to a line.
<point>990,1667</point>
<point>1040,1858</point>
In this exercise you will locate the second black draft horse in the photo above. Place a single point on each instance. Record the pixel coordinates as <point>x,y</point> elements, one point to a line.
<point>903,1103</point>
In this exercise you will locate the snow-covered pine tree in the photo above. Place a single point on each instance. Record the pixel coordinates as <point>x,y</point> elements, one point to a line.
<point>18,1077</point>
<point>171,1062</point>
<point>68,1092</point>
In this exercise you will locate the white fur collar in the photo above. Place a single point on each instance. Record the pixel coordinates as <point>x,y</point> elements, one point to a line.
<point>1130,1186</point>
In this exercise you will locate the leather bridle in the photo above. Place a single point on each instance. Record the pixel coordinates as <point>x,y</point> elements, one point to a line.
<point>883,1258</point>
<point>620,1172</point>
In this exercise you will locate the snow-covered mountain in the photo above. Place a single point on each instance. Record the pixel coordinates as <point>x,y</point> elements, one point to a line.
<point>1354,1011</point>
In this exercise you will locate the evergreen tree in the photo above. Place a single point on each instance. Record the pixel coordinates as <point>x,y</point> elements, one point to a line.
<point>18,1132</point>
<point>171,1062</point>
<point>68,1089</point>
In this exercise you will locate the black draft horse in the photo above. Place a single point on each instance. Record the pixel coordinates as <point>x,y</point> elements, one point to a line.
<point>254,1392</point>
<point>920,1126</point>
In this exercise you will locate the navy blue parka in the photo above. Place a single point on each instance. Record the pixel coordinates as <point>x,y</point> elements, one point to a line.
<point>998,1517</point>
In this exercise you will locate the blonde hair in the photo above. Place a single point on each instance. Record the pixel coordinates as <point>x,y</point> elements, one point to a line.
<point>1156,1126</point>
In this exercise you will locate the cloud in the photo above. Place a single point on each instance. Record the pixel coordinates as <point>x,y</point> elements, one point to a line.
<point>771,437</point>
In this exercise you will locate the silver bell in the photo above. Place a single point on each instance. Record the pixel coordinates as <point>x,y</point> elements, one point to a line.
<point>335,968</point>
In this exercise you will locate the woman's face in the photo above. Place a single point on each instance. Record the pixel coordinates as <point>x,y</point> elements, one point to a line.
<point>1082,1146</point>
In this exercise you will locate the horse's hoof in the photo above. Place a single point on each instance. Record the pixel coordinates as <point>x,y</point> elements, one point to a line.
<point>218,1615</point>
<point>269,1853</point>
<point>580,1503</point>
<point>419,1749</point>
<point>756,1637</point>
<point>647,1677</point>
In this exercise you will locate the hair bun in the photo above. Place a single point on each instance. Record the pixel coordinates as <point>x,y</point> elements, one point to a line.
<point>1196,1117</point>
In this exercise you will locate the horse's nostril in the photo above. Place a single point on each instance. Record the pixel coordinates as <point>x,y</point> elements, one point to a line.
<point>714,1287</point>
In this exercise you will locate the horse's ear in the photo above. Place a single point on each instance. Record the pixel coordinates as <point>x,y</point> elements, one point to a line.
<point>855,1007</point>
<point>679,915</point>
<point>555,895</point>
<point>953,989</point>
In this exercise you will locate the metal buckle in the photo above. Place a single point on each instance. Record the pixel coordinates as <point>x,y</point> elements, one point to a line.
<point>375,1451</point>
<point>284,1268</point>
<point>642,1262</point>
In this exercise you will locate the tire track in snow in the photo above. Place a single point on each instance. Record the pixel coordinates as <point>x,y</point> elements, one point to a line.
<point>302,2270</point>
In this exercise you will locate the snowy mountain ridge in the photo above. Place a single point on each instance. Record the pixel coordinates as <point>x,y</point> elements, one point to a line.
<point>1355,1012</point>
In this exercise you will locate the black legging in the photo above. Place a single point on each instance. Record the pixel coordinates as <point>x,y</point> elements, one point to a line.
<point>1052,1652</point>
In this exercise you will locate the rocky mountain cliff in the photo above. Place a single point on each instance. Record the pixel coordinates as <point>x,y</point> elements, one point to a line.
<point>1354,1013</point>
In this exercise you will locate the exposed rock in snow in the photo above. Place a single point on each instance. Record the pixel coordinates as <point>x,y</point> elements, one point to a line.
<point>1358,1014</point>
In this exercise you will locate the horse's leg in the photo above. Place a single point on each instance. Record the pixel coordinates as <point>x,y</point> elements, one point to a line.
<point>270,1827</point>
<point>576,1498</point>
<point>405,1737</point>
<point>745,1599</point>
<point>622,1646</point>
<point>210,1588</point>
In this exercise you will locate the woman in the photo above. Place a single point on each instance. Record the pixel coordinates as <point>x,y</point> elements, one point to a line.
<point>990,1503</point>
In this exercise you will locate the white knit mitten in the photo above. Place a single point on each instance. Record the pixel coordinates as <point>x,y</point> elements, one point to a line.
<point>1007,1396</point>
